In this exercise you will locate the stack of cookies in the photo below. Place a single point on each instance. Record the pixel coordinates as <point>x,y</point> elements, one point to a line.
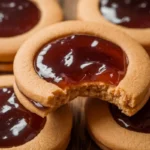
<point>98,58</point>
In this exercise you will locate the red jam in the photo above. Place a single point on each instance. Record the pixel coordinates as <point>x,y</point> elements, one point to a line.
<point>128,13</point>
<point>81,58</point>
<point>17,125</point>
<point>140,122</point>
<point>17,17</point>
<point>37,105</point>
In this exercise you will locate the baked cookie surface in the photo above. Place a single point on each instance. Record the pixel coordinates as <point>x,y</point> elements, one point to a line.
<point>103,128</point>
<point>21,129</point>
<point>129,94</point>
<point>16,27</point>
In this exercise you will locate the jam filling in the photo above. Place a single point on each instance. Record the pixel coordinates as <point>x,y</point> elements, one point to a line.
<point>17,125</point>
<point>37,105</point>
<point>17,17</point>
<point>140,122</point>
<point>81,58</point>
<point>128,13</point>
<point>34,103</point>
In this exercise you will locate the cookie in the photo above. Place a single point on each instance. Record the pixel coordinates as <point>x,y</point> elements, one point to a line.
<point>107,125</point>
<point>32,105</point>
<point>21,129</point>
<point>16,27</point>
<point>126,15</point>
<point>76,58</point>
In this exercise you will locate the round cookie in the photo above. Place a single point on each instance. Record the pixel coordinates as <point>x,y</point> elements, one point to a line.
<point>104,129</point>
<point>50,133</point>
<point>15,27</point>
<point>129,93</point>
<point>89,10</point>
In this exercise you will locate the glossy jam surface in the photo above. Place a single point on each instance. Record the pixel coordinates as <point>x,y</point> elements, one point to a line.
<point>17,17</point>
<point>81,58</point>
<point>37,105</point>
<point>17,125</point>
<point>140,122</point>
<point>128,13</point>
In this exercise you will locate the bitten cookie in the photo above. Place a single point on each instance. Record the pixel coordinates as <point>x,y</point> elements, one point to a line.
<point>76,58</point>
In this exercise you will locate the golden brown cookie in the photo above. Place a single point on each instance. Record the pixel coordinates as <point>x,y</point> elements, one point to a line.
<point>15,27</point>
<point>121,66</point>
<point>128,20</point>
<point>21,129</point>
<point>121,132</point>
<point>32,105</point>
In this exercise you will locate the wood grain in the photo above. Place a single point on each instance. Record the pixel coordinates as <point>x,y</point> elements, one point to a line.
<point>69,8</point>
<point>80,139</point>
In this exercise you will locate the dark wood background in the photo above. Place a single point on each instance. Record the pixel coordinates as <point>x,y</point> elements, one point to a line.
<point>80,139</point>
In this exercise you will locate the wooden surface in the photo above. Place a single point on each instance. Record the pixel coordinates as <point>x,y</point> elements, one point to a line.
<point>69,8</point>
<point>80,139</point>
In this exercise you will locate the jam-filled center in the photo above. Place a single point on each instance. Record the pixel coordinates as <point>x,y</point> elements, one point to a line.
<point>81,58</point>
<point>17,125</point>
<point>128,13</point>
<point>140,122</point>
<point>17,17</point>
